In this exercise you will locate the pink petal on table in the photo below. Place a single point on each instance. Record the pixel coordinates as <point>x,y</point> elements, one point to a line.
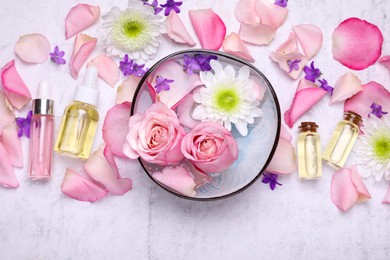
<point>6,114</point>
<point>115,127</point>
<point>386,199</point>
<point>33,48</point>
<point>289,46</point>
<point>306,96</point>
<point>126,90</point>
<point>233,45</point>
<point>83,46</point>
<point>79,18</point>
<point>9,138</point>
<point>177,30</point>
<point>107,68</point>
<point>284,134</point>
<point>372,92</point>
<point>310,37</point>
<point>346,86</point>
<point>99,168</point>
<point>284,153</point>
<point>184,111</point>
<point>79,188</point>
<point>357,44</point>
<point>259,34</point>
<point>282,60</point>
<point>209,28</point>
<point>363,193</point>
<point>7,174</point>
<point>270,13</point>
<point>385,60</point>
<point>245,12</point>
<point>16,90</point>
<point>178,179</point>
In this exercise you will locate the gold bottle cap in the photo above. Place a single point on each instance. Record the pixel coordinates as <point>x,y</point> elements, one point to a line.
<point>308,127</point>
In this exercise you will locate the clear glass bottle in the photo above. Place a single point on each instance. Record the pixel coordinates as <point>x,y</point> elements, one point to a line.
<point>41,134</point>
<point>309,151</point>
<point>78,126</point>
<point>342,140</point>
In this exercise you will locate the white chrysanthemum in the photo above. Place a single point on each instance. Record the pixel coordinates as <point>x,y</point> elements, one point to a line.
<point>227,98</point>
<point>373,148</point>
<point>135,31</point>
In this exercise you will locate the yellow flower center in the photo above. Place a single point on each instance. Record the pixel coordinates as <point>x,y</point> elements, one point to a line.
<point>381,148</point>
<point>227,99</point>
<point>133,28</point>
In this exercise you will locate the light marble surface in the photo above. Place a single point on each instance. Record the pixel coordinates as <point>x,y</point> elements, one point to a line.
<point>296,221</point>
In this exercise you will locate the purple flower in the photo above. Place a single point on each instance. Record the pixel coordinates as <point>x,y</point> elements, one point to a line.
<point>129,67</point>
<point>154,4</point>
<point>282,3</point>
<point>190,64</point>
<point>139,70</point>
<point>171,5</point>
<point>272,179</point>
<point>56,56</point>
<point>293,65</point>
<point>162,84</point>
<point>204,61</point>
<point>325,86</point>
<point>377,110</point>
<point>197,63</point>
<point>24,125</point>
<point>311,72</point>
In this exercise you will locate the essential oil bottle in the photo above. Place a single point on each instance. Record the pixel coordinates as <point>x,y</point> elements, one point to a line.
<point>41,134</point>
<point>309,151</point>
<point>342,140</point>
<point>78,125</point>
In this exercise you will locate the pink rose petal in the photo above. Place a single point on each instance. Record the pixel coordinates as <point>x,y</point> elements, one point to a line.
<point>363,193</point>
<point>177,30</point>
<point>99,168</point>
<point>79,188</point>
<point>184,111</point>
<point>115,127</point>
<point>83,46</point>
<point>126,90</point>
<point>16,90</point>
<point>200,178</point>
<point>282,60</point>
<point>178,179</point>
<point>386,199</point>
<point>284,153</point>
<point>7,174</point>
<point>306,96</point>
<point>270,14</point>
<point>259,34</point>
<point>310,37</point>
<point>33,48</point>
<point>346,86</point>
<point>385,60</point>
<point>79,18</point>
<point>9,138</point>
<point>6,114</point>
<point>372,92</point>
<point>289,46</point>
<point>357,44</point>
<point>107,68</point>
<point>209,28</point>
<point>245,12</point>
<point>233,45</point>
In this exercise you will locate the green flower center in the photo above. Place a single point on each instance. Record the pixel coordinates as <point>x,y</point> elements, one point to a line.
<point>227,99</point>
<point>381,148</point>
<point>133,28</point>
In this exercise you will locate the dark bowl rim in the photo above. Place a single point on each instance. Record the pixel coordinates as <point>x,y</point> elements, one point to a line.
<point>223,54</point>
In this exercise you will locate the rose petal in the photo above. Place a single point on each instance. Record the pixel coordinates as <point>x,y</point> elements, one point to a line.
<point>9,138</point>
<point>177,30</point>
<point>99,168</point>
<point>107,68</point>
<point>79,18</point>
<point>6,114</point>
<point>200,178</point>
<point>372,92</point>
<point>271,14</point>
<point>346,86</point>
<point>357,44</point>
<point>245,12</point>
<point>33,48</point>
<point>184,111</point>
<point>363,193</point>
<point>178,179</point>
<point>256,33</point>
<point>7,174</point>
<point>306,96</point>
<point>16,90</point>
<point>209,28</point>
<point>310,37</point>
<point>284,153</point>
<point>282,60</point>
<point>233,45</point>
<point>284,134</point>
<point>385,60</point>
<point>289,46</point>
<point>386,199</point>
<point>83,46</point>
<point>79,188</point>
<point>126,90</point>
<point>115,127</point>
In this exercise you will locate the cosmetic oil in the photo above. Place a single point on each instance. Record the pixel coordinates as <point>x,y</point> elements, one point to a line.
<point>309,151</point>
<point>342,140</point>
<point>78,125</point>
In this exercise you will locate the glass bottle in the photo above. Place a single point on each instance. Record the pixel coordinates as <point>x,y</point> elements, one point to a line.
<point>342,140</point>
<point>78,125</point>
<point>309,151</point>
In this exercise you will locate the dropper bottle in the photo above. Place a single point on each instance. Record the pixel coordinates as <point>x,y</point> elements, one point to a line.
<point>78,125</point>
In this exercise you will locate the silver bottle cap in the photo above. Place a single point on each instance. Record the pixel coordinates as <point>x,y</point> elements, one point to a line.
<point>43,106</point>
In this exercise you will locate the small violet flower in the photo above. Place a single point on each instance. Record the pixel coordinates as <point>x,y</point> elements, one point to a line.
<point>57,56</point>
<point>24,125</point>
<point>190,64</point>
<point>325,86</point>
<point>197,63</point>
<point>162,84</point>
<point>377,110</point>
<point>171,5</point>
<point>204,61</point>
<point>272,179</point>
<point>139,70</point>
<point>293,65</point>
<point>154,4</point>
<point>129,67</point>
<point>311,72</point>
<point>282,3</point>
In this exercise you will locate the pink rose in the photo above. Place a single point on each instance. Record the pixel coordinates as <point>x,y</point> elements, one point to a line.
<point>210,147</point>
<point>155,136</point>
